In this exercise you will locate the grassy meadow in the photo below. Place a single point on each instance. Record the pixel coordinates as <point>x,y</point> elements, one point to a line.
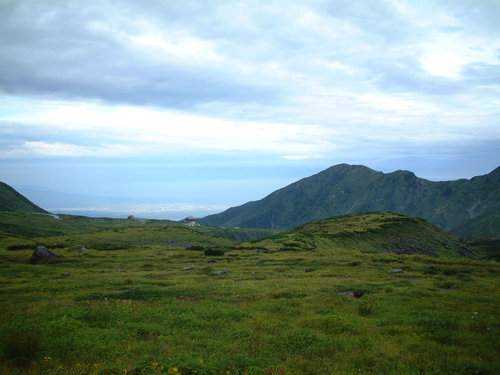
<point>151,302</point>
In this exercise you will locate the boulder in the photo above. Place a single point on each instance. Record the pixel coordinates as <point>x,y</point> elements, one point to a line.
<point>78,248</point>
<point>40,253</point>
<point>220,272</point>
<point>397,270</point>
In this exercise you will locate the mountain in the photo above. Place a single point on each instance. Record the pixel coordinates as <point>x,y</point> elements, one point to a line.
<point>378,231</point>
<point>345,189</point>
<point>12,201</point>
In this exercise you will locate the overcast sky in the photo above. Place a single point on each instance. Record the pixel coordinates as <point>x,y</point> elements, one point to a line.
<point>205,104</point>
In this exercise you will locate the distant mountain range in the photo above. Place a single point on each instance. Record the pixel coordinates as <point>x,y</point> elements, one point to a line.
<point>12,201</point>
<point>469,208</point>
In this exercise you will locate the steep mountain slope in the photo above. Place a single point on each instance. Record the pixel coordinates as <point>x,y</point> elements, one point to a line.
<point>345,189</point>
<point>12,201</point>
<point>379,231</point>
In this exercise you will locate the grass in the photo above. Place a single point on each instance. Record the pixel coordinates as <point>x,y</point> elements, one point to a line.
<point>148,300</point>
<point>29,225</point>
<point>140,311</point>
<point>379,232</point>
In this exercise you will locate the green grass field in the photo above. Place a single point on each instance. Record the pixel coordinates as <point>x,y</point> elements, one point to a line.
<point>139,301</point>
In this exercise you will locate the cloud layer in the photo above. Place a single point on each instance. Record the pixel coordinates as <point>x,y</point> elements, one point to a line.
<point>294,80</point>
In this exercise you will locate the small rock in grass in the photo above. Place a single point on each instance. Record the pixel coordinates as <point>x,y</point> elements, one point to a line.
<point>348,293</point>
<point>353,293</point>
<point>42,252</point>
<point>220,272</point>
<point>65,274</point>
<point>397,270</point>
<point>78,248</point>
<point>314,250</point>
<point>188,268</point>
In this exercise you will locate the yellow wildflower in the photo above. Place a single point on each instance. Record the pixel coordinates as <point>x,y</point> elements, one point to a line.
<point>154,364</point>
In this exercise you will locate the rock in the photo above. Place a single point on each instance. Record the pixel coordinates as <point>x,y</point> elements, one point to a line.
<point>220,272</point>
<point>78,248</point>
<point>397,270</point>
<point>353,293</point>
<point>65,274</point>
<point>348,293</point>
<point>188,268</point>
<point>42,252</point>
<point>203,268</point>
<point>211,261</point>
<point>314,250</point>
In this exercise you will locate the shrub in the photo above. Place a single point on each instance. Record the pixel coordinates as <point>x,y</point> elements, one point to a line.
<point>365,309</point>
<point>20,247</point>
<point>196,247</point>
<point>21,348</point>
<point>214,252</point>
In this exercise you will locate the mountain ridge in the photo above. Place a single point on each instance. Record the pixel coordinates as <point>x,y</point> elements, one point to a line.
<point>374,232</point>
<point>13,201</point>
<point>345,189</point>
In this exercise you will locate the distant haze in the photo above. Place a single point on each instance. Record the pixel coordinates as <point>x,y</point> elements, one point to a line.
<point>168,109</point>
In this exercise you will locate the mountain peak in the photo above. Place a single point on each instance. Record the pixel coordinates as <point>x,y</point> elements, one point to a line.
<point>346,189</point>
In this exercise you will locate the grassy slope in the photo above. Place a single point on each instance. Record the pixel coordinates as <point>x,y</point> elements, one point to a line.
<point>11,200</point>
<point>380,232</point>
<point>128,305</point>
<point>138,312</point>
<point>124,238</point>
<point>344,189</point>
<point>29,226</point>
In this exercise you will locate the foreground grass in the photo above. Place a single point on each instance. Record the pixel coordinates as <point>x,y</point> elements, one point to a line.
<point>144,310</point>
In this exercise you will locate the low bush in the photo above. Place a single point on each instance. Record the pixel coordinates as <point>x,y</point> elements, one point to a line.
<point>214,252</point>
<point>21,347</point>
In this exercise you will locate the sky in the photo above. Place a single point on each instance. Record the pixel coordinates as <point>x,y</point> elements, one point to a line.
<point>170,108</point>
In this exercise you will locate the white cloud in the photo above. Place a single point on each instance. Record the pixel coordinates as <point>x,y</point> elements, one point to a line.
<point>145,131</point>
<point>290,80</point>
<point>33,149</point>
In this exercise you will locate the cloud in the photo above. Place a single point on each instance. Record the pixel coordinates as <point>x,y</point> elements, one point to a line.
<point>34,149</point>
<point>295,80</point>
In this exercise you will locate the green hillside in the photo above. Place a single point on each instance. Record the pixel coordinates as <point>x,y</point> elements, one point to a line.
<point>12,201</point>
<point>345,189</point>
<point>148,306</point>
<point>378,232</point>
<point>125,238</point>
<point>24,225</point>
<point>484,226</point>
<point>31,225</point>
